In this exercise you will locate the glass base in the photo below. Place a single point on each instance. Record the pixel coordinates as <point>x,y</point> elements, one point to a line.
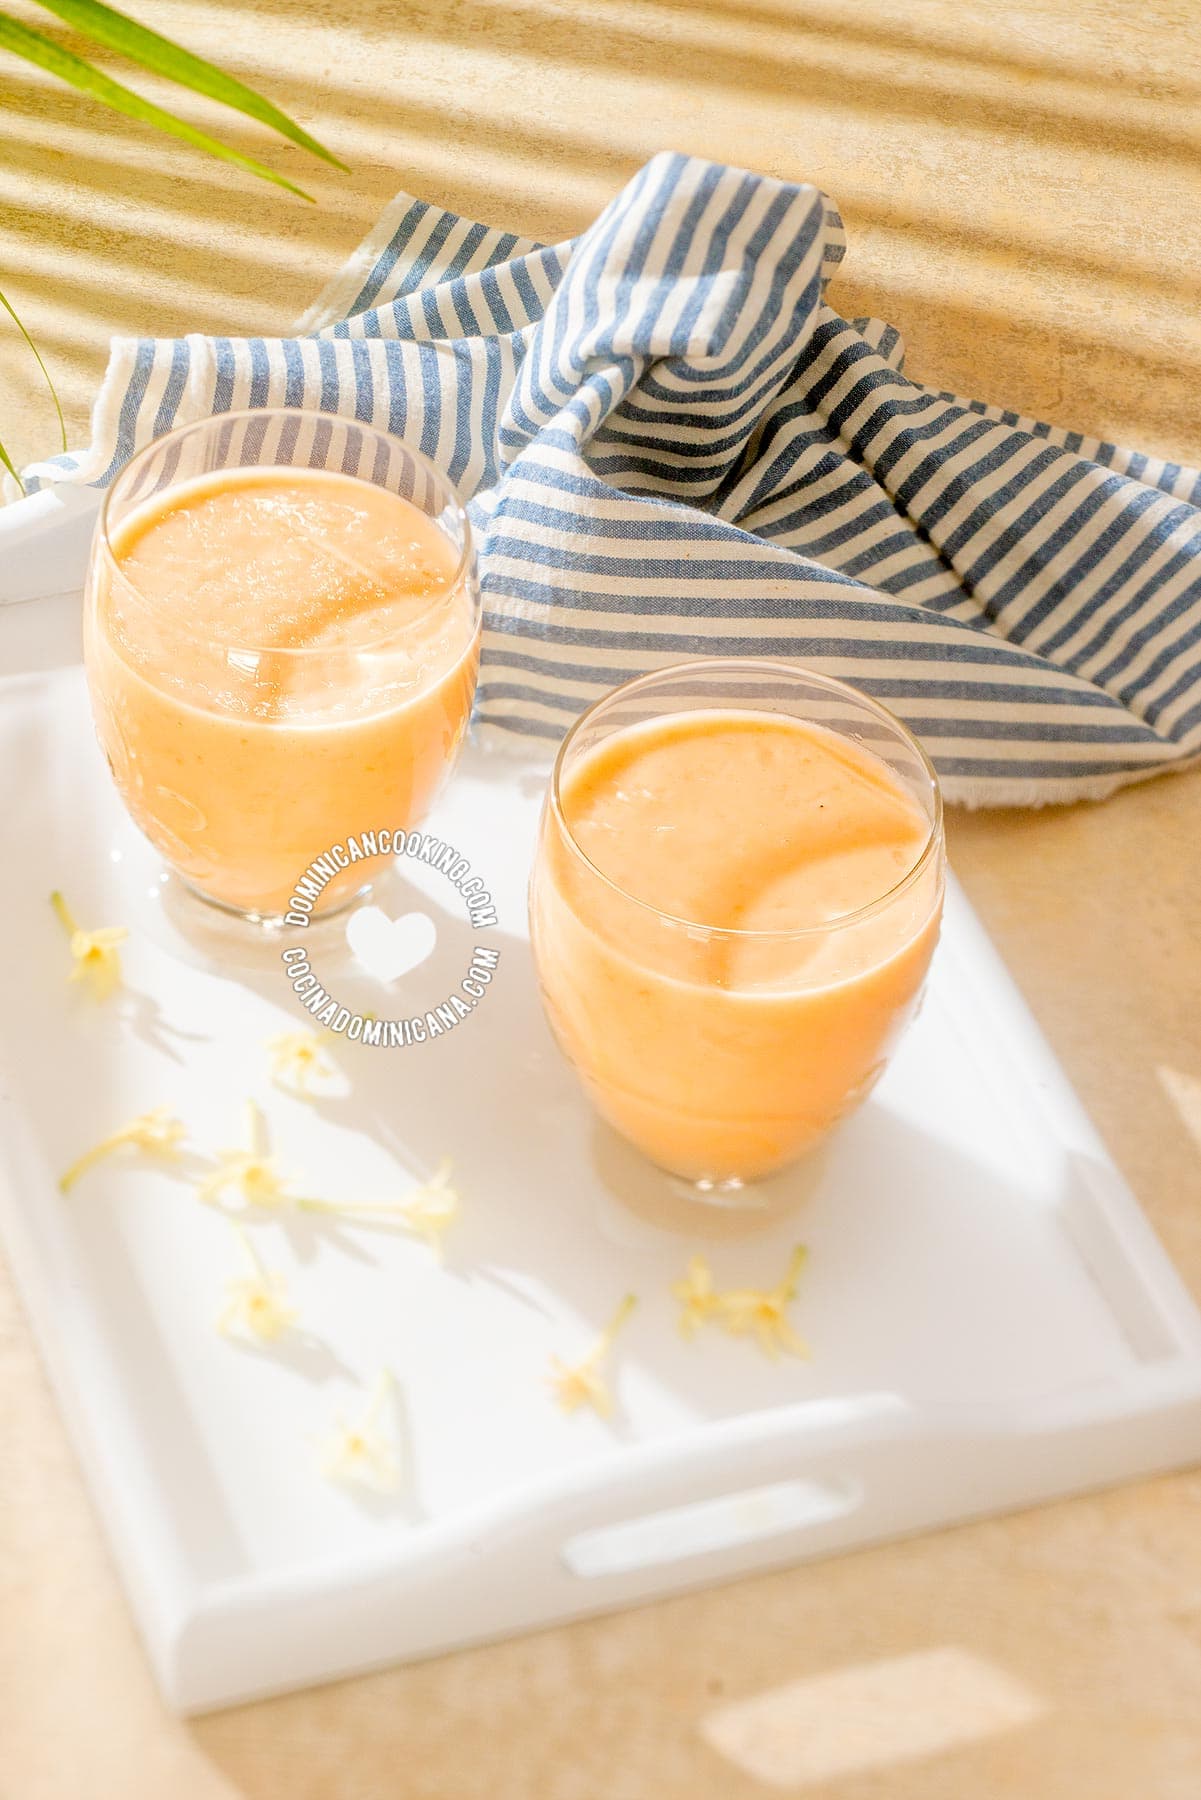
<point>645,1195</point>
<point>272,921</point>
<point>209,934</point>
<point>733,1193</point>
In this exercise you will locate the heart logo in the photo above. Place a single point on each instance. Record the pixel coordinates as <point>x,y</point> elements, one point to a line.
<point>389,948</point>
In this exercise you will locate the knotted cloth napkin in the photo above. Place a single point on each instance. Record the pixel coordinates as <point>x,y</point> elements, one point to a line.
<point>673,447</point>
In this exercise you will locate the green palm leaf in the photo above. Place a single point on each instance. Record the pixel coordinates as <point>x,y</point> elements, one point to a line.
<point>116,31</point>
<point>48,55</point>
<point>162,57</point>
<point>6,459</point>
<point>7,304</point>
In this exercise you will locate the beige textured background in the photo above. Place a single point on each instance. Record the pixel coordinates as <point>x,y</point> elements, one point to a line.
<point>1020,184</point>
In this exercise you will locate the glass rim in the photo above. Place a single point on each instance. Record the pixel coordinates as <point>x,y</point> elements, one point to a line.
<point>762,666</point>
<point>103,541</point>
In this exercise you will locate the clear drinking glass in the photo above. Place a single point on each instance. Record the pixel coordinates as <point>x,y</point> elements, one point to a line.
<point>724,1054</point>
<point>295,665</point>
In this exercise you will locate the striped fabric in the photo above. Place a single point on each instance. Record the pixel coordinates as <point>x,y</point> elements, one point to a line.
<point>674,448</point>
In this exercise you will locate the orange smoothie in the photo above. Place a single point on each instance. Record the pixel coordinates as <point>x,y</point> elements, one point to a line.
<point>698,922</point>
<point>277,657</point>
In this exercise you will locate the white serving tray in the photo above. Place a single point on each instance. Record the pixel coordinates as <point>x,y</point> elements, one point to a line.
<point>993,1322</point>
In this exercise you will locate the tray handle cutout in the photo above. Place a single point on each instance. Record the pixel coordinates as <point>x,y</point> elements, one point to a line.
<point>723,1522</point>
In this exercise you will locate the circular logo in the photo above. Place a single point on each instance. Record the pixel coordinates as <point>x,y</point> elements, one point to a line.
<point>391,948</point>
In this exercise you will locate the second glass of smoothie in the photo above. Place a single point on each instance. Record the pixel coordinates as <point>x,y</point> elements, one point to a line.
<point>281,635</point>
<point>735,899</point>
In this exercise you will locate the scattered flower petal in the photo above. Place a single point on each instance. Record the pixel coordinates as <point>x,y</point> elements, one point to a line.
<point>582,1384</point>
<point>763,1311</point>
<point>296,1058</point>
<point>94,952</point>
<point>696,1295</point>
<point>433,1207</point>
<point>256,1305</point>
<point>428,1210</point>
<point>365,1454</point>
<point>157,1132</point>
<point>253,1173</point>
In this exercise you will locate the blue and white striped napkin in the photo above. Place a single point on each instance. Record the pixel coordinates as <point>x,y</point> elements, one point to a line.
<point>673,447</point>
